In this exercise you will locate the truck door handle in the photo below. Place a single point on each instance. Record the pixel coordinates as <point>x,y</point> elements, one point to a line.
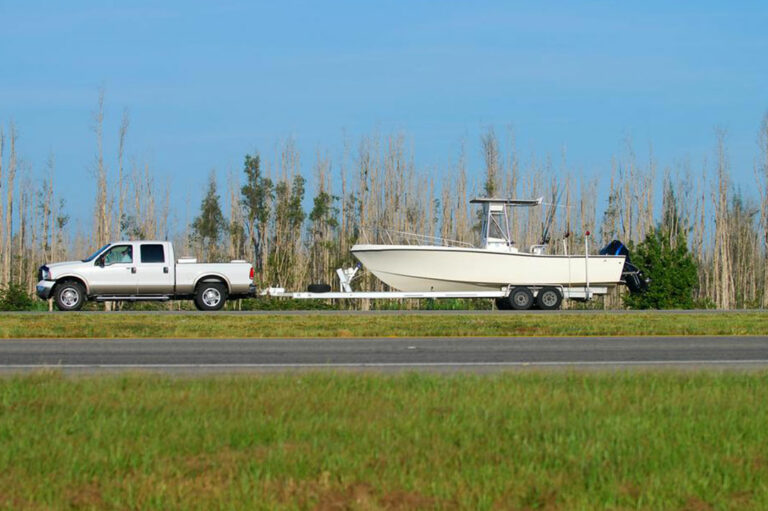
<point>133,269</point>
<point>165,269</point>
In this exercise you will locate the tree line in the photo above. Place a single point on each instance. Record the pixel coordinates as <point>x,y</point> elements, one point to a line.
<point>297,230</point>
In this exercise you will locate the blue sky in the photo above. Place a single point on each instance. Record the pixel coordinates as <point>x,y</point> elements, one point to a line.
<point>207,82</point>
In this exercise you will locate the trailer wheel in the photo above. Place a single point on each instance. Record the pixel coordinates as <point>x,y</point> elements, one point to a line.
<point>521,298</point>
<point>549,298</point>
<point>69,296</point>
<point>503,304</point>
<point>210,296</point>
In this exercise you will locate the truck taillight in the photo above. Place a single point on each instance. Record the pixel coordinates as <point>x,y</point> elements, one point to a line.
<point>251,274</point>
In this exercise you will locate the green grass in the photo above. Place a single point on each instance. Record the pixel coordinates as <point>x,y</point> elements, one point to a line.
<point>345,441</point>
<point>116,325</point>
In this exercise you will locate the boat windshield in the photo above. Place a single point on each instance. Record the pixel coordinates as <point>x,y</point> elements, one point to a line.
<point>495,229</point>
<point>93,256</point>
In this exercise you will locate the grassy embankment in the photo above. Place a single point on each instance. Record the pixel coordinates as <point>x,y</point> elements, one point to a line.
<point>510,441</point>
<point>116,325</point>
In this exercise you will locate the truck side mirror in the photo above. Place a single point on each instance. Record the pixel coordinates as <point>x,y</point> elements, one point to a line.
<point>100,262</point>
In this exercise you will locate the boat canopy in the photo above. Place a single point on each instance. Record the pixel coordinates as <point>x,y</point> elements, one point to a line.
<point>495,229</point>
<point>507,202</point>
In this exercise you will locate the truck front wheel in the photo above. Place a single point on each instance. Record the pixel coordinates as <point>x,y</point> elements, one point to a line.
<point>69,296</point>
<point>210,296</point>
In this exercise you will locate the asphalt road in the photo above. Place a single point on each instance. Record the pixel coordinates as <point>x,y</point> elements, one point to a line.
<point>445,354</point>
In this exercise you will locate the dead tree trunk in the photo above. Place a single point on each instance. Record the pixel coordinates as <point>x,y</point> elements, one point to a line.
<point>2,211</point>
<point>7,249</point>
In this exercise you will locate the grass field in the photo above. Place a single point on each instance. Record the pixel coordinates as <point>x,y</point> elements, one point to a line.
<point>342,441</point>
<point>116,325</point>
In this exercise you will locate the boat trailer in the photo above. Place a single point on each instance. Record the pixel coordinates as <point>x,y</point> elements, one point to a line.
<point>347,275</point>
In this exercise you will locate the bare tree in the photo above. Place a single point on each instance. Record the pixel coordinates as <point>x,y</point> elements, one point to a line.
<point>492,157</point>
<point>761,171</point>
<point>724,286</point>
<point>7,249</point>
<point>2,211</point>
<point>102,231</point>
<point>120,182</point>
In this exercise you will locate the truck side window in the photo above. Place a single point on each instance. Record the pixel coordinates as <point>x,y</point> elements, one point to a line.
<point>119,254</point>
<point>152,254</point>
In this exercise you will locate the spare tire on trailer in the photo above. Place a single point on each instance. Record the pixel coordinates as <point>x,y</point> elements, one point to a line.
<point>319,288</point>
<point>549,298</point>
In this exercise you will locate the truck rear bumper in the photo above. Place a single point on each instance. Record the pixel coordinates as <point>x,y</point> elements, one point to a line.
<point>44,289</point>
<point>241,293</point>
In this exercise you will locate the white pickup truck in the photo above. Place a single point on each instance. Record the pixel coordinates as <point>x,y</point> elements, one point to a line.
<point>143,270</point>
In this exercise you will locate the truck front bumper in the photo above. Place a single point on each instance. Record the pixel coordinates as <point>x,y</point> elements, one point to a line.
<point>44,288</point>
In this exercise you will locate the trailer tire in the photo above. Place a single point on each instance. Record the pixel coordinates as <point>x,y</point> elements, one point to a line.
<point>69,296</point>
<point>521,298</point>
<point>503,304</point>
<point>210,296</point>
<point>549,298</point>
<point>319,288</point>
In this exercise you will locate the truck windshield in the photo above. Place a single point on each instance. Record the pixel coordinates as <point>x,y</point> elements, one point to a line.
<point>93,256</point>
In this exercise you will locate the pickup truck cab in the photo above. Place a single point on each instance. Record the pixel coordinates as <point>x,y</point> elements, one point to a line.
<point>143,270</point>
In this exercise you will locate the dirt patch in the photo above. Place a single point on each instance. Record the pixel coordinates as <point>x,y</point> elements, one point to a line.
<point>696,504</point>
<point>630,490</point>
<point>363,497</point>
<point>741,499</point>
<point>356,497</point>
<point>85,496</point>
<point>405,500</point>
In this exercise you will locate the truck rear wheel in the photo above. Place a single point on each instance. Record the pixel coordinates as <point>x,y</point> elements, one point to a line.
<point>69,296</point>
<point>210,296</point>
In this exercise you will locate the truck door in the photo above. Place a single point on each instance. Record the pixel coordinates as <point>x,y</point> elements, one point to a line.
<point>154,270</point>
<point>115,272</point>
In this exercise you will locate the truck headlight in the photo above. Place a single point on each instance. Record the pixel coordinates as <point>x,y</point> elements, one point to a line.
<point>45,273</point>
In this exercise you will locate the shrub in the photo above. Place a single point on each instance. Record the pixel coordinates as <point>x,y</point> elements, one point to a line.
<point>13,297</point>
<point>672,271</point>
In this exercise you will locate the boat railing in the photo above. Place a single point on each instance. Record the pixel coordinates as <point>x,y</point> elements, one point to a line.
<point>380,235</point>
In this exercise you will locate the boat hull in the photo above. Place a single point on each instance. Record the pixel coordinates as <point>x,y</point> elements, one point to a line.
<point>419,268</point>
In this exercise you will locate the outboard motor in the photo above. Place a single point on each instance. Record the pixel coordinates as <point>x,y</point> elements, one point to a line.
<point>631,275</point>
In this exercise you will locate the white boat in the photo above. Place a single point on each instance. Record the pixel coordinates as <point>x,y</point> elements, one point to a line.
<point>498,264</point>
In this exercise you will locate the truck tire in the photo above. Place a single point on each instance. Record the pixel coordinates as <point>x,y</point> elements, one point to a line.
<point>503,304</point>
<point>521,298</point>
<point>210,296</point>
<point>549,298</point>
<point>69,296</point>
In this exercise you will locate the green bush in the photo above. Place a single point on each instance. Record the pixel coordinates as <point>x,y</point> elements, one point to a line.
<point>13,297</point>
<point>672,271</point>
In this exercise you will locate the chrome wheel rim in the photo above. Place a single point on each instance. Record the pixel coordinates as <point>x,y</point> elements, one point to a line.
<point>211,297</point>
<point>549,298</point>
<point>70,297</point>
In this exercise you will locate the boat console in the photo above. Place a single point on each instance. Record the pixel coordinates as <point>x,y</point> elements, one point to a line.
<point>496,234</point>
